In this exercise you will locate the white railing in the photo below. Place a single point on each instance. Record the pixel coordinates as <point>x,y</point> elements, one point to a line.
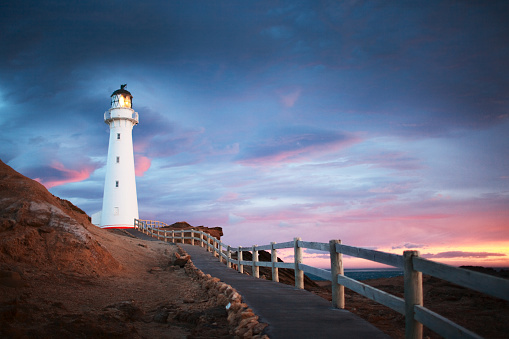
<point>411,306</point>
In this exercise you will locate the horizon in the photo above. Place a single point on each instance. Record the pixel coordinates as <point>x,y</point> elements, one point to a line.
<point>381,124</point>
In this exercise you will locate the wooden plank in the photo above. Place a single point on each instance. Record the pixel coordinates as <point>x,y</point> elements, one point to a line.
<point>320,246</point>
<point>264,248</point>
<point>245,262</point>
<point>387,299</point>
<point>443,326</point>
<point>484,283</point>
<point>264,263</point>
<point>377,256</point>
<point>288,244</point>
<point>324,274</point>
<point>284,265</point>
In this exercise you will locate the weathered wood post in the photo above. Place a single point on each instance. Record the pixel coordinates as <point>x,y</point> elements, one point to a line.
<point>219,250</point>
<point>164,235</point>
<point>273,258</point>
<point>256,268</point>
<point>239,257</point>
<point>192,237</point>
<point>172,236</point>
<point>182,235</point>
<point>201,239</point>
<point>299,274</point>
<point>413,296</point>
<point>214,247</point>
<point>229,257</point>
<point>336,266</point>
<point>158,233</point>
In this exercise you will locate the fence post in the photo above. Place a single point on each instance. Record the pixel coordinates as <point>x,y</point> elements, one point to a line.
<point>192,237</point>
<point>229,257</point>
<point>413,296</point>
<point>336,266</point>
<point>239,257</point>
<point>299,274</point>
<point>201,239</point>
<point>273,258</point>
<point>182,236</point>
<point>256,268</point>
<point>219,250</point>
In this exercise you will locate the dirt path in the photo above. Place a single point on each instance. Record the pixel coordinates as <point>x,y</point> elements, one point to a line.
<point>147,298</point>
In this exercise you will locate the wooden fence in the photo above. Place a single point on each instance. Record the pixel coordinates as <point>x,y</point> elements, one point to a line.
<point>411,306</point>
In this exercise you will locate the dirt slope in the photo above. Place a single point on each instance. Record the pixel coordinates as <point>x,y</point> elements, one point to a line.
<point>61,276</point>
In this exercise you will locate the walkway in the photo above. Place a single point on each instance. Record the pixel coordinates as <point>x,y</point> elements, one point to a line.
<point>290,313</point>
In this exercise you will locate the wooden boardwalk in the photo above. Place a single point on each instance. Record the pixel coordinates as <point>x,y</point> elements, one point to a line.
<point>291,313</point>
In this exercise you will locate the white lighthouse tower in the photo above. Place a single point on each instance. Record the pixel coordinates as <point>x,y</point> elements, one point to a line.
<point>120,202</point>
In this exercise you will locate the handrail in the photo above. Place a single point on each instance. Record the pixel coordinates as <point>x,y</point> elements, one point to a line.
<point>411,306</point>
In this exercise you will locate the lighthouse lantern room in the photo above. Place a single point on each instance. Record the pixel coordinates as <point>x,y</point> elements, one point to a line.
<point>120,202</point>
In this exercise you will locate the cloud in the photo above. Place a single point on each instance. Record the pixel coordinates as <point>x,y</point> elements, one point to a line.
<point>408,245</point>
<point>56,174</point>
<point>141,165</point>
<point>295,147</point>
<point>230,196</point>
<point>461,254</point>
<point>234,219</point>
<point>289,97</point>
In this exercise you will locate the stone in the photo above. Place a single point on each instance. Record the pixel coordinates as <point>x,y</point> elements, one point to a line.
<point>161,316</point>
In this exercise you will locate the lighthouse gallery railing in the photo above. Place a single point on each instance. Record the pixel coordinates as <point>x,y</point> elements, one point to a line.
<point>411,306</point>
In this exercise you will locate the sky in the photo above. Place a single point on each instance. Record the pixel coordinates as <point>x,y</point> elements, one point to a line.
<point>383,124</point>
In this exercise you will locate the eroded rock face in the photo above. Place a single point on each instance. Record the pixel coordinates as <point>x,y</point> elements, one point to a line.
<point>216,232</point>
<point>42,230</point>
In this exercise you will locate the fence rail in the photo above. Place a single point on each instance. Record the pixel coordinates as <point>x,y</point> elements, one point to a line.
<point>411,306</point>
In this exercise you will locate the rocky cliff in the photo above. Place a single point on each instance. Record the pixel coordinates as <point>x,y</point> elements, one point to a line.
<point>44,231</point>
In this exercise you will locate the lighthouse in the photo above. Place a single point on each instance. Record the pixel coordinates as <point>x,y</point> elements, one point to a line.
<point>120,202</point>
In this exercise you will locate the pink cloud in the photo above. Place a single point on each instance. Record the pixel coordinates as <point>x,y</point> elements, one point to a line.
<point>289,99</point>
<point>295,148</point>
<point>230,196</point>
<point>141,165</point>
<point>65,175</point>
<point>461,254</point>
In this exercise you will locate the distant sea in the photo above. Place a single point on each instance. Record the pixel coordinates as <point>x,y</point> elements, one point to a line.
<point>365,273</point>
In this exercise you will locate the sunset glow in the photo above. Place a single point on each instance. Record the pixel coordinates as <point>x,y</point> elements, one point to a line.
<point>381,124</point>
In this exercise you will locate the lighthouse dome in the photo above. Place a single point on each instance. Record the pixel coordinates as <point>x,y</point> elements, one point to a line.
<point>121,98</point>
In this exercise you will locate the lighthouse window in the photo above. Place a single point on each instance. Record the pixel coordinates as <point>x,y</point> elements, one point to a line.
<point>118,160</point>
<point>115,210</point>
<point>116,183</point>
<point>118,136</point>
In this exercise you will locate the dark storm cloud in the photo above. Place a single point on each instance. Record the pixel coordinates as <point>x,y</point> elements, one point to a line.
<point>402,61</point>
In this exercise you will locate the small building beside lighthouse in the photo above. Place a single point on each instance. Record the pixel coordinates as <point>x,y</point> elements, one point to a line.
<point>120,202</point>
